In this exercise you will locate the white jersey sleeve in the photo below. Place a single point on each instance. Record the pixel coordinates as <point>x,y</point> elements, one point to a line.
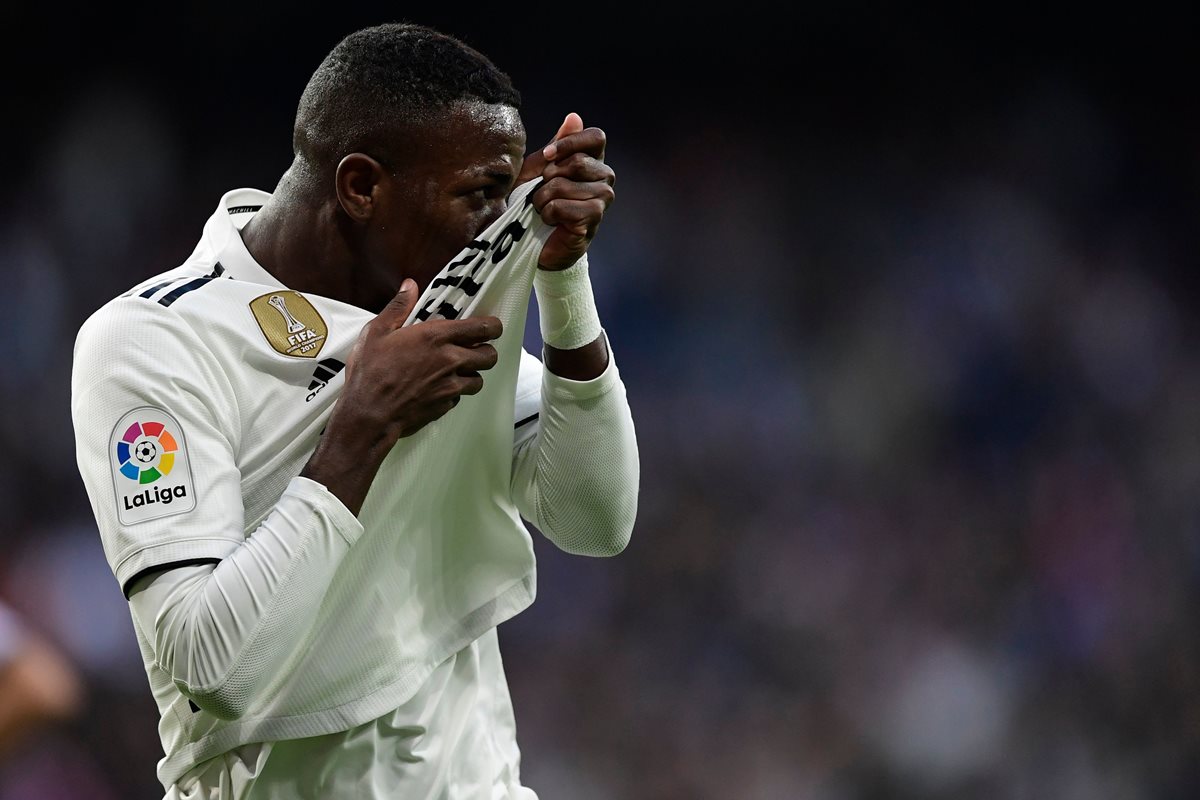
<point>575,460</point>
<point>156,435</point>
<point>143,393</point>
<point>221,632</point>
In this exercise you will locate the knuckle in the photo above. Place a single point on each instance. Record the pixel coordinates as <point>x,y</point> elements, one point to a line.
<point>428,332</point>
<point>569,188</point>
<point>550,189</point>
<point>570,166</point>
<point>445,390</point>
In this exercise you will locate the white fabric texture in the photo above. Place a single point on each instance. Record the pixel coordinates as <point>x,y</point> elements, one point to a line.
<point>405,593</point>
<point>567,312</point>
<point>205,621</point>
<point>222,633</point>
<point>577,481</point>
<point>456,738</point>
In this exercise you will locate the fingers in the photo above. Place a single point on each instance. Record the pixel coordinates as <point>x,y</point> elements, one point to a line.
<point>590,141</point>
<point>532,167</point>
<point>465,332</point>
<point>572,123</point>
<point>536,161</point>
<point>579,216</point>
<point>580,167</point>
<point>564,189</point>
<point>470,384</point>
<point>571,126</point>
<point>399,307</point>
<point>477,359</point>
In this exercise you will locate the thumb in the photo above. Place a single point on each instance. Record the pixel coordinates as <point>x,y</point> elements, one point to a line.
<point>572,124</point>
<point>400,306</point>
<point>536,161</point>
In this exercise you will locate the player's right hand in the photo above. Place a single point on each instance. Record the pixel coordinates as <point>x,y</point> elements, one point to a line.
<point>398,379</point>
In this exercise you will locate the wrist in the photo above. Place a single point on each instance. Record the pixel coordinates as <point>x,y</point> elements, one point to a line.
<point>566,306</point>
<point>346,466</point>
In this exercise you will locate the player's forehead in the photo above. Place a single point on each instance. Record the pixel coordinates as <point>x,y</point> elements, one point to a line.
<point>471,133</point>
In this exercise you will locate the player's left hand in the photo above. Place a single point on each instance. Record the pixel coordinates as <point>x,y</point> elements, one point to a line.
<point>576,191</point>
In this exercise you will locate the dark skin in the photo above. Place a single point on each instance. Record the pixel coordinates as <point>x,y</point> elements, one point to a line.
<point>386,230</point>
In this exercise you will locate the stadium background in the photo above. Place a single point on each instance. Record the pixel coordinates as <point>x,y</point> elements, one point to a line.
<point>905,305</point>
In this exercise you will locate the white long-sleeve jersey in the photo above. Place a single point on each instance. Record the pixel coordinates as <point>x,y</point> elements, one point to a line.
<point>198,397</point>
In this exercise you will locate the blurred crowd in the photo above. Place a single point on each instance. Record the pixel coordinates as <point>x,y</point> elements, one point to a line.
<point>917,389</point>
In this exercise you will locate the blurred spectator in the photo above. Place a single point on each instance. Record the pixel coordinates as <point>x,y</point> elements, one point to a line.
<point>37,685</point>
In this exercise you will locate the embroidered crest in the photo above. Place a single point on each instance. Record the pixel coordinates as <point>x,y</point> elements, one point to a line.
<point>290,323</point>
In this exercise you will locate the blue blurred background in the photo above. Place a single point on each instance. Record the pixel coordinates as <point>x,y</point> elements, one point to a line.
<point>905,305</point>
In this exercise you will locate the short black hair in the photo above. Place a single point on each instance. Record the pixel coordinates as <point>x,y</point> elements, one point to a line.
<point>378,80</point>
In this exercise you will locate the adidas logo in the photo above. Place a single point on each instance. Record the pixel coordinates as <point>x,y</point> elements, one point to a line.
<point>326,369</point>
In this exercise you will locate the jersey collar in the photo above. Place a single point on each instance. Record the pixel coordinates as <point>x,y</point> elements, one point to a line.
<point>222,232</point>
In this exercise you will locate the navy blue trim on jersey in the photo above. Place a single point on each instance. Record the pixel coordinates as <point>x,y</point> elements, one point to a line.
<point>187,562</point>
<point>190,286</point>
<point>155,288</point>
<point>181,289</point>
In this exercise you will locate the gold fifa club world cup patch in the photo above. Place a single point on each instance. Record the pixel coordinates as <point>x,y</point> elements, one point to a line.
<point>290,323</point>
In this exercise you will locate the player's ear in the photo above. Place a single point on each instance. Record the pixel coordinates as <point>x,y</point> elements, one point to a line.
<point>358,180</point>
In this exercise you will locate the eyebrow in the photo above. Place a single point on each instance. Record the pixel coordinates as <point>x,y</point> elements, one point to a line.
<point>499,176</point>
<point>490,173</point>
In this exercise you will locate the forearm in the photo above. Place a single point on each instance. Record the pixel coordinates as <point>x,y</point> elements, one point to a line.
<point>577,480</point>
<point>579,364</point>
<point>346,463</point>
<point>223,632</point>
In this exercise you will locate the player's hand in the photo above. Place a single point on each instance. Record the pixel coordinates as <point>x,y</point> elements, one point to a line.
<point>576,191</point>
<point>400,379</point>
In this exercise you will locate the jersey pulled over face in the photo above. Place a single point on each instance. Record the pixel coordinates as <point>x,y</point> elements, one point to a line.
<point>453,184</point>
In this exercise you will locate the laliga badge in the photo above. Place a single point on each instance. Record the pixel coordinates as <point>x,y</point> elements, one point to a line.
<point>151,472</point>
<point>290,323</point>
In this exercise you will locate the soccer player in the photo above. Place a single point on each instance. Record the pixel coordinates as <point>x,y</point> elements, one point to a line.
<point>309,447</point>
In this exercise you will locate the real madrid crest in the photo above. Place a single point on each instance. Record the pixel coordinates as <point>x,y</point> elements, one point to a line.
<point>290,323</point>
